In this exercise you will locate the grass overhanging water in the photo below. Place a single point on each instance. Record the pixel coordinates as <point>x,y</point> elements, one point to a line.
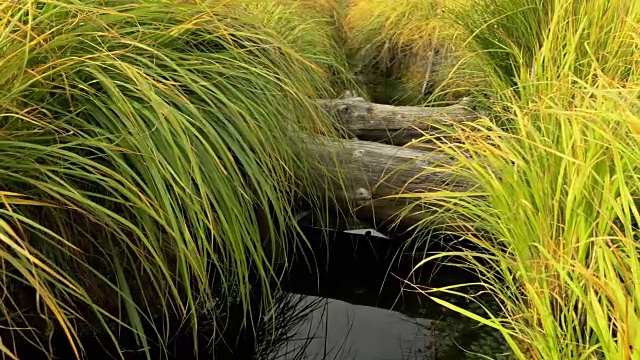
<point>142,139</point>
<point>556,224</point>
<point>139,138</point>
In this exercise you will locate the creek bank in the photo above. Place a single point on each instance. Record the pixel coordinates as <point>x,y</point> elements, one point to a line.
<point>375,169</point>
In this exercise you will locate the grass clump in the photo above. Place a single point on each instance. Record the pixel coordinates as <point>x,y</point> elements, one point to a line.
<point>556,213</point>
<point>312,28</point>
<point>138,139</point>
<point>406,52</point>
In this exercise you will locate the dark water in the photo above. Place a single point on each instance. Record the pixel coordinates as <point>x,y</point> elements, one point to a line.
<point>364,309</point>
<point>335,329</point>
<point>344,299</point>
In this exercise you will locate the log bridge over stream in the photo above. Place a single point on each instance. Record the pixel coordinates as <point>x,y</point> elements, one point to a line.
<point>379,162</point>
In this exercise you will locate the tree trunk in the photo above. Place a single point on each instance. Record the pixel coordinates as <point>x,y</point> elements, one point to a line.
<point>397,125</point>
<point>374,173</point>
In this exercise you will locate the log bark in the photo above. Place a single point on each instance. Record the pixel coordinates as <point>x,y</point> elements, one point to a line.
<point>397,125</point>
<point>374,173</point>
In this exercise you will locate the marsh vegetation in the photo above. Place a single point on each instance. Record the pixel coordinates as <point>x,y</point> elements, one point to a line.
<point>157,154</point>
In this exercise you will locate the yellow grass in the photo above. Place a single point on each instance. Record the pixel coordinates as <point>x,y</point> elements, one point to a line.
<point>404,49</point>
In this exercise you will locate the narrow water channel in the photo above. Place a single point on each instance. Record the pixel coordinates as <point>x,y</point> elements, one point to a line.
<point>359,307</point>
<point>336,329</point>
<point>345,299</point>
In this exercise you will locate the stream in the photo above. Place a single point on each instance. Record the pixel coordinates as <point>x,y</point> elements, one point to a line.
<point>345,299</point>
<point>358,307</point>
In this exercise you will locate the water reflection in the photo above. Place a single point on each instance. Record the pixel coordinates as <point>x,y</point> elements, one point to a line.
<point>351,302</point>
<point>334,329</point>
<point>345,300</point>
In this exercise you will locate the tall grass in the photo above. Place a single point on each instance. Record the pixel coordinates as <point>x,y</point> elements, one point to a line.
<point>312,28</point>
<point>556,214</point>
<point>138,139</point>
<point>405,51</point>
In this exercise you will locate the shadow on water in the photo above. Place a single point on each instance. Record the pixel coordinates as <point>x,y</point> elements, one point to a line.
<point>345,299</point>
<point>335,329</point>
<point>364,308</point>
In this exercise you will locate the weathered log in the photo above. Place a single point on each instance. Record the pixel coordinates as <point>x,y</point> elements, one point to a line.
<point>374,173</point>
<point>397,125</point>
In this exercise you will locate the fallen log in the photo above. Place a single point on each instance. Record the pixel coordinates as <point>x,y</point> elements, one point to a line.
<point>397,125</point>
<point>372,174</point>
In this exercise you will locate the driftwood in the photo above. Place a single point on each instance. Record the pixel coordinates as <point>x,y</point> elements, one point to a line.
<point>374,173</point>
<point>397,125</point>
